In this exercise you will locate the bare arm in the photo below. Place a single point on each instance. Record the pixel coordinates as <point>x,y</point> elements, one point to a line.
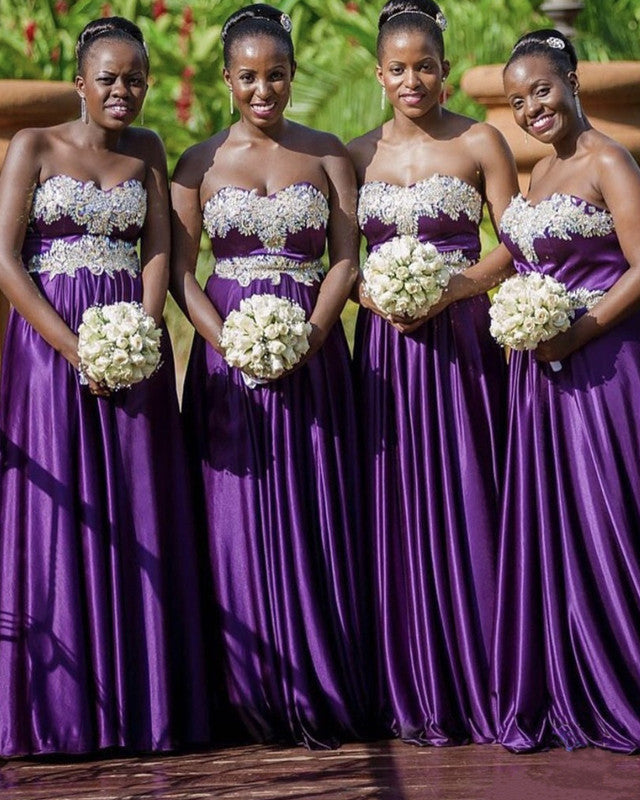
<point>155,240</point>
<point>186,229</point>
<point>498,170</point>
<point>342,237</point>
<point>619,184</point>
<point>18,181</point>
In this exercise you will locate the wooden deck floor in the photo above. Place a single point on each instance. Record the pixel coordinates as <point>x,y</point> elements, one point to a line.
<point>384,771</point>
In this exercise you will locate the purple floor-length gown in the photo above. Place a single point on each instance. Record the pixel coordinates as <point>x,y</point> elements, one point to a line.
<point>567,655</point>
<point>100,644</point>
<point>279,477</point>
<point>430,408</point>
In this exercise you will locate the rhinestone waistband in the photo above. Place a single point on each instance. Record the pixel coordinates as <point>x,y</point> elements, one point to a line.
<point>99,254</point>
<point>268,267</point>
<point>585,298</point>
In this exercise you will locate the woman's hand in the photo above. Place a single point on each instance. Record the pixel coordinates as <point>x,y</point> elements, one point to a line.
<point>558,348</point>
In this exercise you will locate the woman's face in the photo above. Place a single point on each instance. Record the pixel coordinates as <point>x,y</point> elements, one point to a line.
<point>411,72</point>
<point>259,74</point>
<point>542,101</point>
<point>114,83</point>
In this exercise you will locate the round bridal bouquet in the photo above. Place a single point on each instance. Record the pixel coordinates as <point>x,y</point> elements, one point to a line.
<point>118,344</point>
<point>405,277</point>
<point>265,337</point>
<point>529,309</point>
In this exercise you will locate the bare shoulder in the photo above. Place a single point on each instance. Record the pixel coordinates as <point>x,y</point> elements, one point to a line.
<point>481,135</point>
<point>197,160</point>
<point>144,143</point>
<point>32,141</point>
<point>363,148</point>
<point>321,143</point>
<point>607,153</point>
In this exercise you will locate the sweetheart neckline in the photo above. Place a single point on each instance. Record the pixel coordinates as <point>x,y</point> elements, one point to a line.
<point>90,182</point>
<point>270,195</point>
<point>436,175</point>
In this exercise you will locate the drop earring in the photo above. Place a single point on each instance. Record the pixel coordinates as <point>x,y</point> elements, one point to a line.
<point>383,99</point>
<point>290,98</point>
<point>231,108</point>
<point>83,111</point>
<point>579,107</point>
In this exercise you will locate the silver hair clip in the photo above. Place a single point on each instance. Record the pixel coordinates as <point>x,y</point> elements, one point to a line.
<point>285,22</point>
<point>556,43</point>
<point>439,19</point>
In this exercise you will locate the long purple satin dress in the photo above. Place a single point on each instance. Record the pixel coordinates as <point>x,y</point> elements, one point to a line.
<point>567,655</point>
<point>431,414</point>
<point>100,640</point>
<point>279,480</point>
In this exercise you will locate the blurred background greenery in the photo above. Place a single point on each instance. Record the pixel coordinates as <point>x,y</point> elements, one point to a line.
<point>335,87</point>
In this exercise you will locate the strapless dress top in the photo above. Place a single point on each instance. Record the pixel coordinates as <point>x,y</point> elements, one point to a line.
<point>565,237</point>
<point>441,209</point>
<point>256,236</point>
<point>75,224</point>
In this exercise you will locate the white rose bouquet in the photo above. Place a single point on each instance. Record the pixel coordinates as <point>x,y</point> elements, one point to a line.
<point>118,344</point>
<point>529,309</point>
<point>267,336</point>
<point>405,277</point>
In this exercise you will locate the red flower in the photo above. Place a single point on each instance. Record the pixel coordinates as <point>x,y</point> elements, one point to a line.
<point>61,7</point>
<point>184,102</point>
<point>30,31</point>
<point>352,7</point>
<point>158,8</point>
<point>106,11</point>
<point>186,26</point>
<point>188,73</point>
<point>55,55</point>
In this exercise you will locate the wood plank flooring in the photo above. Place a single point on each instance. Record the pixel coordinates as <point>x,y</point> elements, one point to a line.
<point>381,771</point>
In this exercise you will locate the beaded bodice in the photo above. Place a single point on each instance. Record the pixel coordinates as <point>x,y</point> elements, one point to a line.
<point>565,237</point>
<point>441,209</point>
<point>75,224</point>
<point>264,236</point>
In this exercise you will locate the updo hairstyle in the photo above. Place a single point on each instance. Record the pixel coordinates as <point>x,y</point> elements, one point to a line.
<point>117,28</point>
<point>423,16</point>
<point>551,44</point>
<point>258,19</point>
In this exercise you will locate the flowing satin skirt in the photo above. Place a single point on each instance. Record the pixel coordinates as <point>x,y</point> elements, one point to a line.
<point>567,655</point>
<point>281,506</point>
<point>431,420</point>
<point>100,640</point>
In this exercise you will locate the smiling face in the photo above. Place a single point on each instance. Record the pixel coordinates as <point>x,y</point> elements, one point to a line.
<point>114,82</point>
<point>412,72</point>
<point>542,101</point>
<point>259,74</point>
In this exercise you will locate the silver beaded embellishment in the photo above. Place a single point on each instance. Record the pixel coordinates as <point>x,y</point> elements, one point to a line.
<point>99,254</point>
<point>559,216</point>
<point>96,210</point>
<point>268,267</point>
<point>403,206</point>
<point>271,218</point>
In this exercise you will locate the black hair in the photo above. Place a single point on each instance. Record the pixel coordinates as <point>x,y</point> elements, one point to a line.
<point>414,15</point>
<point>257,19</point>
<point>108,28</point>
<point>549,43</point>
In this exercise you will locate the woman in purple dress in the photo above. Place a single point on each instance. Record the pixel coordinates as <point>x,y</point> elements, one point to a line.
<point>277,462</point>
<point>100,644</point>
<point>567,655</point>
<point>431,397</point>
